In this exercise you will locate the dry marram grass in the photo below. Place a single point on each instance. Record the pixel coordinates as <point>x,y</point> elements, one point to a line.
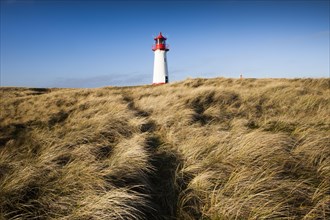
<point>198,149</point>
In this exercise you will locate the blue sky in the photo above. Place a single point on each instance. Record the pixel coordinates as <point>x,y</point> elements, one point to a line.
<point>108,43</point>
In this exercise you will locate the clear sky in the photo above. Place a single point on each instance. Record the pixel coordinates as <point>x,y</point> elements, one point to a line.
<point>108,43</point>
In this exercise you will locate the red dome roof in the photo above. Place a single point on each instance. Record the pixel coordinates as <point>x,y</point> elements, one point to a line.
<point>160,36</point>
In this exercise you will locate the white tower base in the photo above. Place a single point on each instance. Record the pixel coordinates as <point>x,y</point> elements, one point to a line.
<point>160,67</point>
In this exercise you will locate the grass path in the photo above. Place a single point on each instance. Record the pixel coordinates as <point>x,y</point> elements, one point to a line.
<point>164,160</point>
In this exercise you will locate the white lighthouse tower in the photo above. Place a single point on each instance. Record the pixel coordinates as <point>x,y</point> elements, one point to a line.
<point>160,63</point>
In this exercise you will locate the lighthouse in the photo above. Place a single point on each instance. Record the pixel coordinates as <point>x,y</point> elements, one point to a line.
<point>160,49</point>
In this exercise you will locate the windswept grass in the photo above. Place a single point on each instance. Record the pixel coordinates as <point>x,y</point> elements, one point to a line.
<point>198,149</point>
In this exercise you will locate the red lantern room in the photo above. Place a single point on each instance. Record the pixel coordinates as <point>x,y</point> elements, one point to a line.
<point>160,43</point>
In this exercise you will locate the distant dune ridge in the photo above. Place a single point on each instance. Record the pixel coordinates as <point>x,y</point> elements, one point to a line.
<point>197,149</point>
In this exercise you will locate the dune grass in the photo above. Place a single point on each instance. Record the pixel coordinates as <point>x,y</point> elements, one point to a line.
<point>197,149</point>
